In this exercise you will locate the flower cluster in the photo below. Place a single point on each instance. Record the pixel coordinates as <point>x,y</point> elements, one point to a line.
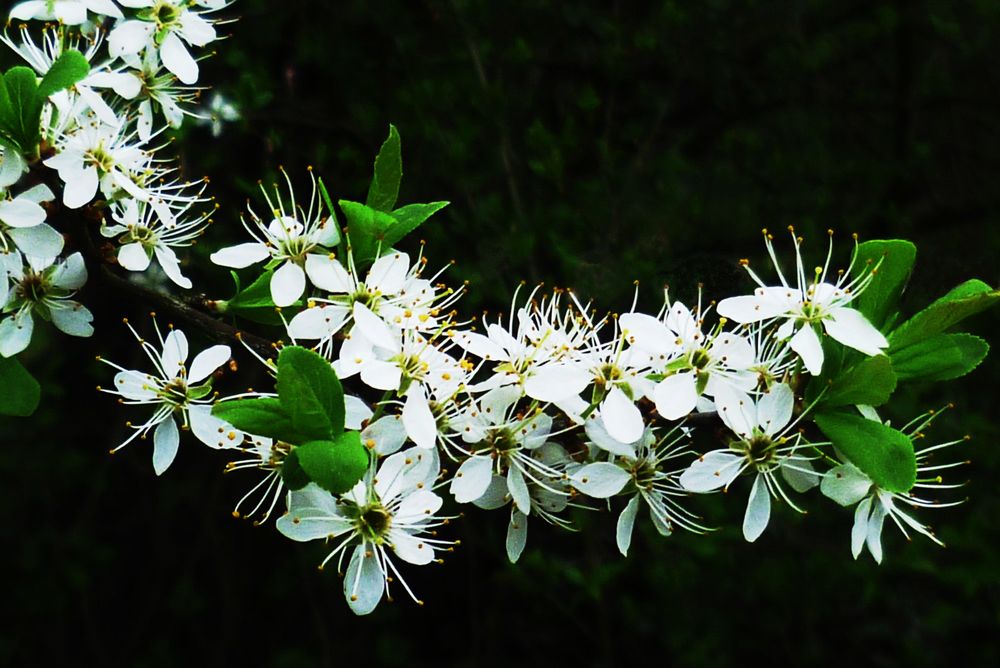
<point>101,136</point>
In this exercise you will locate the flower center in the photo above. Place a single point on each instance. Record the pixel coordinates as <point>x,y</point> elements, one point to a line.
<point>758,449</point>
<point>175,392</point>
<point>32,288</point>
<point>373,522</point>
<point>700,358</point>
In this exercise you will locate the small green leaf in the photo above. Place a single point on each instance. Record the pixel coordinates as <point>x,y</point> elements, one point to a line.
<point>68,69</point>
<point>25,106</point>
<point>200,391</point>
<point>384,188</point>
<point>409,218</point>
<point>335,465</point>
<point>255,304</point>
<point>884,454</point>
<point>871,382</point>
<point>291,472</point>
<point>263,416</point>
<point>367,229</point>
<point>21,392</point>
<point>941,357</point>
<point>894,261</point>
<point>311,393</point>
<point>963,301</point>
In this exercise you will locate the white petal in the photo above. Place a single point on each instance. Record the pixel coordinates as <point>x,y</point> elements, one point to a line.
<point>166,438</point>
<point>357,412</point>
<point>212,431</point>
<point>80,187</point>
<point>774,408</point>
<point>471,479</point>
<point>517,535</point>
<point>21,212</point>
<point>799,473</point>
<point>874,535</point>
<point>129,37</point>
<point>711,471</point>
<point>388,273</point>
<point>417,506</point>
<point>736,352</point>
<point>381,375</point>
<point>385,436</point>
<point>171,266</point>
<point>72,318</point>
<point>208,361</point>
<point>177,59</point>
<point>600,480</point>
<point>197,31</point>
<point>750,308</point>
<point>135,385</point>
<point>518,489</point>
<point>37,194</point>
<point>621,417</point>
<point>845,484</point>
<point>626,522</point>
<point>175,352</point>
<point>860,529</point>
<point>241,256</point>
<point>495,496</point>
<point>364,581</point>
<point>676,395</point>
<point>287,284</point>
<point>328,274</point>
<point>39,241</point>
<point>318,322</point>
<point>418,419</point>
<point>758,510</point>
<point>97,104</point>
<point>599,436</point>
<point>556,382</point>
<point>411,549</point>
<point>807,345</point>
<point>648,333</point>
<point>303,523</point>
<point>144,121</point>
<point>374,328</point>
<point>71,274</point>
<point>480,346</point>
<point>133,257</point>
<point>15,334</point>
<point>852,329</point>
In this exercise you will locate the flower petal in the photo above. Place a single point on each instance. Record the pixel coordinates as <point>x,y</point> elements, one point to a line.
<point>517,535</point>
<point>166,438</point>
<point>133,257</point>
<point>807,345</point>
<point>845,484</point>
<point>774,408</point>
<point>518,489</point>
<point>207,361</point>
<point>287,284</point>
<point>178,60</point>
<point>711,471</point>
<point>471,479</point>
<point>212,431</point>
<point>621,417</point>
<point>852,329</point>
<point>556,382</point>
<point>626,522</point>
<point>241,256</point>
<point>600,480</point>
<point>676,395</point>
<point>326,273</point>
<point>758,510</point>
<point>364,581</point>
<point>374,328</point>
<point>418,419</point>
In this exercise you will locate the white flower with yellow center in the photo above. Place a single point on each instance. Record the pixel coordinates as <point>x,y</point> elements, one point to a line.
<point>808,305</point>
<point>181,395</point>
<point>389,511</point>
<point>298,242</point>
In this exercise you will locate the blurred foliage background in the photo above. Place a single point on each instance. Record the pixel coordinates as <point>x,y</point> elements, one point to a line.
<point>584,145</point>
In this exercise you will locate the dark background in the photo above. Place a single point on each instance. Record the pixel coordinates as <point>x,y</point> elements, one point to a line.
<point>581,144</point>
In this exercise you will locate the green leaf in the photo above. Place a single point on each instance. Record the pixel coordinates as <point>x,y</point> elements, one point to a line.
<point>264,416</point>
<point>871,382</point>
<point>21,391</point>
<point>255,304</point>
<point>409,218</point>
<point>963,301</point>
<point>25,106</point>
<point>70,68</point>
<point>367,229</point>
<point>883,453</point>
<point>891,262</point>
<point>384,188</point>
<point>335,465</point>
<point>941,357</point>
<point>311,393</point>
<point>292,473</point>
